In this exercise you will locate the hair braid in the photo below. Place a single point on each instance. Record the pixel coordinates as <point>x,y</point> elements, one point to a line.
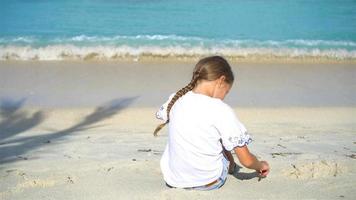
<point>209,69</point>
<point>178,94</point>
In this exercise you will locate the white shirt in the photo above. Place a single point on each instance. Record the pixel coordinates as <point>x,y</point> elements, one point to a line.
<point>193,155</point>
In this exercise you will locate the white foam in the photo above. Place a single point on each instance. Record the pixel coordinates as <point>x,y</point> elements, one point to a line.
<point>69,51</point>
<point>175,38</point>
<point>289,43</point>
<point>85,38</point>
<point>24,39</point>
<point>322,42</point>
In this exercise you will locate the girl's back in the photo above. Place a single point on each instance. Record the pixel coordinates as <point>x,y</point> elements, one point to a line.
<point>193,153</point>
<point>203,130</point>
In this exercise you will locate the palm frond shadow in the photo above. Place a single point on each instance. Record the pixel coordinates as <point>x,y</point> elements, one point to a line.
<point>14,120</point>
<point>12,150</point>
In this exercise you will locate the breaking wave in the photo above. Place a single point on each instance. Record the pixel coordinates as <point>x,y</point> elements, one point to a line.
<point>84,47</point>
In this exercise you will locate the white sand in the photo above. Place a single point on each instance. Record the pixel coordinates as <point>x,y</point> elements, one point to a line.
<point>105,149</point>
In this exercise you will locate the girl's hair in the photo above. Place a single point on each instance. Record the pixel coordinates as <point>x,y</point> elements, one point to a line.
<point>210,69</point>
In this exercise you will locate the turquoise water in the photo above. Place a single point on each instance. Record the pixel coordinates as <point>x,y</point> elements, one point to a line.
<point>56,30</point>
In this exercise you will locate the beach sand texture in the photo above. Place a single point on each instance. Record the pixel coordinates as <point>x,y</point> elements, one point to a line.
<point>83,130</point>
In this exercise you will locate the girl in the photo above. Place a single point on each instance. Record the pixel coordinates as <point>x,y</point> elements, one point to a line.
<point>203,130</point>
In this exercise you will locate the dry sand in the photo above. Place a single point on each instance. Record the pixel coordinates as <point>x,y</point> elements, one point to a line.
<point>80,130</point>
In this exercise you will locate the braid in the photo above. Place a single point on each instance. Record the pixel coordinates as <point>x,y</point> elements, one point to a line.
<point>179,94</point>
<point>209,69</point>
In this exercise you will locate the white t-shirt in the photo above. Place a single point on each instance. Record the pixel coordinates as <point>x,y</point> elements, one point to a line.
<point>193,155</point>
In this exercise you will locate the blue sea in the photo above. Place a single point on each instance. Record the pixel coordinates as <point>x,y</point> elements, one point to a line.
<point>113,29</point>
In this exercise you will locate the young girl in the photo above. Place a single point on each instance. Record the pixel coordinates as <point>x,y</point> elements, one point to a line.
<point>203,130</point>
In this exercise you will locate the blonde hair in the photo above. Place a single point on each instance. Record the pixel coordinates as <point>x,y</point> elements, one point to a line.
<point>210,69</point>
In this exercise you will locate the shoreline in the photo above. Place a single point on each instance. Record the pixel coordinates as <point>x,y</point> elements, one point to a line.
<point>193,59</point>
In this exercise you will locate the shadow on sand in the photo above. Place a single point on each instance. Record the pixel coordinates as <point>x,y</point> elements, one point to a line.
<point>244,175</point>
<point>14,121</point>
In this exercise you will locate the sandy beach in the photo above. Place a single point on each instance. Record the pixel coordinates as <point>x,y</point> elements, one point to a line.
<point>83,130</point>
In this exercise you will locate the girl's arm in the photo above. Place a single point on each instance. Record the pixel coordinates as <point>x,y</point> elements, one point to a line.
<point>250,161</point>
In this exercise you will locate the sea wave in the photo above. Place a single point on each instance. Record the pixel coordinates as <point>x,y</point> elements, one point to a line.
<point>105,52</point>
<point>170,40</point>
<point>136,37</point>
<point>83,47</point>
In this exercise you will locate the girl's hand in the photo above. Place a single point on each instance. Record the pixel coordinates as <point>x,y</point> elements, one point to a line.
<point>264,171</point>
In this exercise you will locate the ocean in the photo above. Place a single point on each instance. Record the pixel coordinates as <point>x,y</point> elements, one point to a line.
<point>115,29</point>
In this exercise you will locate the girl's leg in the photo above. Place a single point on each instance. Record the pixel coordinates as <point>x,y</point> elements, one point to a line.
<point>230,158</point>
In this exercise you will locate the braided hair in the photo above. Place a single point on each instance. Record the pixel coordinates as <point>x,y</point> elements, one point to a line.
<point>209,68</point>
